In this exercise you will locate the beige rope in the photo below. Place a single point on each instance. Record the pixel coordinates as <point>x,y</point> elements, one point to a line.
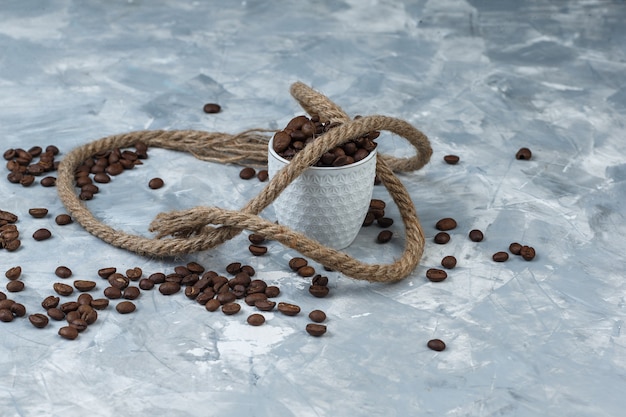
<point>186,231</point>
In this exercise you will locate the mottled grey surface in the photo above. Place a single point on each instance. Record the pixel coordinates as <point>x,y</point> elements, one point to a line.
<point>481,78</point>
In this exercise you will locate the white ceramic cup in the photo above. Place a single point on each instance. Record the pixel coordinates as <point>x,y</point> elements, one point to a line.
<point>327,204</point>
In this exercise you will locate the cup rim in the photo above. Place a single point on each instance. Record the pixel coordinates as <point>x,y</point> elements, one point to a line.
<point>276,156</point>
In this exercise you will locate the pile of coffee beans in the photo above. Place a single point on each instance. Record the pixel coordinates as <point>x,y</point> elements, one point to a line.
<point>300,131</point>
<point>24,167</point>
<point>9,235</point>
<point>376,213</point>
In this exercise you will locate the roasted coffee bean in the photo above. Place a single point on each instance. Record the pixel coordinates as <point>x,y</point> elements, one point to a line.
<point>377,204</point>
<point>38,320</point>
<point>369,220</point>
<point>48,181</point>
<point>436,275</point>
<point>63,272</point>
<point>9,154</point>
<point>385,222</point>
<point>523,153</point>
<point>306,271</point>
<point>317,316</point>
<point>68,332</point>
<point>8,216</point>
<point>248,270</point>
<point>84,299</point>
<point>500,256</point>
<point>226,297</point>
<point>234,268</point>
<point>18,310</point>
<point>169,288</point>
<point>265,305</point>
<point>42,234</point>
<point>100,303</point>
<point>131,293</point>
<point>446,224</point>
<point>91,188</point>
<point>527,252</point>
<point>13,273</point>
<point>219,281</point>
<point>256,239</point>
<point>262,175</point>
<point>272,291</point>
<point>157,278</point>
<point>441,238</point>
<point>315,329</point>
<point>114,169</point>
<point>146,284</point>
<point>297,263</point>
<point>451,159</point>
<point>257,250</point>
<point>134,274</point>
<point>35,151</point>
<point>448,262</point>
<point>257,286</point>
<point>106,272</point>
<point>15,286</point>
<point>476,235</point>
<point>191,292</point>
<point>101,178</point>
<point>384,236</point>
<point>177,278</point>
<point>63,219</point>
<point>50,301</point>
<point>240,279</point>
<point>125,307</point>
<point>6,303</point>
<point>69,306</point>
<point>3,296</point>
<point>436,344</point>
<point>38,213</point>
<point>112,293</point>
<point>156,183</point>
<point>255,319</point>
<point>27,180</point>
<point>251,299</point>
<point>212,305</point>
<point>85,195</point>
<point>195,268</point>
<point>515,248</point>
<point>79,324</point>
<point>12,245</point>
<point>288,309</point>
<point>55,314</point>
<point>72,315</point>
<point>211,108</point>
<point>118,280</point>
<point>319,291</point>
<point>231,308</point>
<point>247,173</point>
<point>6,315</point>
<point>319,280</point>
<point>281,142</point>
<point>90,316</point>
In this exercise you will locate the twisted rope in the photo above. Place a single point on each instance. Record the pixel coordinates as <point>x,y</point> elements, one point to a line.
<point>186,231</point>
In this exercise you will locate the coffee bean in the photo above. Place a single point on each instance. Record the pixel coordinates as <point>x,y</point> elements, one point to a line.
<point>63,219</point>
<point>212,305</point>
<point>118,280</point>
<point>436,344</point>
<point>211,108</point>
<point>156,183</point>
<point>240,279</point>
<point>38,213</point>
<point>48,181</point>
<point>42,234</point>
<point>231,308</point>
<point>79,324</point>
<point>442,238</point>
<point>100,303</point>
<point>134,274</point>
<point>6,315</point>
<point>257,250</point>
<point>50,302</point>
<point>369,220</point>
<point>515,248</point>
<point>317,316</point>
<point>114,169</point>
<point>297,263</point>
<point>234,268</point>
<point>9,154</point>
<point>8,216</point>
<point>384,236</point>
<point>101,178</point>
<point>256,239</point>
<point>306,271</point>
<point>169,288</point>
<point>319,291</point>
<point>27,180</point>
<point>106,272</point>
<point>112,293</point>
<point>84,299</point>
<point>38,320</point>
<point>251,299</point>
<point>262,175</point>
<point>319,280</point>
<point>523,153</point>
<point>451,159</point>
<point>385,221</point>
<point>157,278</point>
<point>18,310</point>
<point>15,286</point>
<point>315,329</point>
<point>527,252</point>
<point>288,309</point>
<point>255,319</point>
<point>195,268</point>
<point>90,316</point>
<point>69,306</point>
<point>6,303</point>
<point>68,332</point>
<point>125,307</point>
<point>226,297</point>
<point>72,315</point>
<point>12,245</point>
<point>247,173</point>
<point>448,262</point>
<point>446,224</point>
<point>131,293</point>
<point>476,235</point>
<point>63,272</point>
<point>500,256</point>
<point>13,273</point>
<point>248,270</point>
<point>436,275</point>
<point>265,305</point>
<point>281,142</point>
<point>377,204</point>
<point>272,291</point>
<point>55,314</point>
<point>146,284</point>
<point>3,296</point>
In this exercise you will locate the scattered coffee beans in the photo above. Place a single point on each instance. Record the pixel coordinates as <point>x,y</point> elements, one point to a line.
<point>451,159</point>
<point>315,329</point>
<point>63,272</point>
<point>527,252</point>
<point>500,256</point>
<point>436,344</point>
<point>42,234</point>
<point>211,108</point>
<point>297,263</point>
<point>256,319</point>
<point>476,235</point>
<point>317,316</point>
<point>384,236</point>
<point>442,238</point>
<point>446,224</point>
<point>125,307</point>
<point>523,153</point>
<point>436,275</point>
<point>13,273</point>
<point>38,213</point>
<point>448,262</point>
<point>156,183</point>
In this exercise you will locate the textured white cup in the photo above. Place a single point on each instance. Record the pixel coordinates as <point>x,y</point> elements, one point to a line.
<point>327,204</point>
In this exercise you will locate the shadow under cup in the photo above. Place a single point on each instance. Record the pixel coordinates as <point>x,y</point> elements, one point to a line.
<point>327,204</point>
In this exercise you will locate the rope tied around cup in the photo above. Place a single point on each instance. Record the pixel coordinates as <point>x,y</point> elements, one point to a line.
<point>186,231</point>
